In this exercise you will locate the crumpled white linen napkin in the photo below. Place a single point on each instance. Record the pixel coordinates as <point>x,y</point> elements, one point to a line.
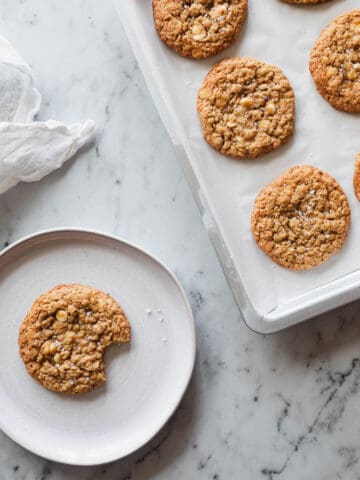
<point>19,99</point>
<point>30,150</point>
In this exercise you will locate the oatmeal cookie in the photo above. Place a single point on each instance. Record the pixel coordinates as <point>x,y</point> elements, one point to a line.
<point>335,62</point>
<point>305,2</point>
<point>246,107</point>
<point>64,335</point>
<point>301,218</point>
<point>357,177</point>
<point>199,28</point>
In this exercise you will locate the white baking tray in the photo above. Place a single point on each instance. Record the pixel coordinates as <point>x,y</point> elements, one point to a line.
<point>270,297</point>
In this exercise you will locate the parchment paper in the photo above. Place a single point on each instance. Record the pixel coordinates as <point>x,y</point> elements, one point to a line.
<point>279,34</point>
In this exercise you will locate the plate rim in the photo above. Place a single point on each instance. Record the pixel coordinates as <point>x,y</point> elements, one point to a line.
<point>110,458</point>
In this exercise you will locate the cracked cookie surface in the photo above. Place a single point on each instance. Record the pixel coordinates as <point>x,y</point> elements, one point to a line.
<point>357,177</point>
<point>246,107</point>
<point>335,62</point>
<point>301,218</point>
<point>199,28</point>
<point>64,335</point>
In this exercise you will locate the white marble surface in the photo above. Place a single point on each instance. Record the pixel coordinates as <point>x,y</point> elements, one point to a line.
<point>281,407</point>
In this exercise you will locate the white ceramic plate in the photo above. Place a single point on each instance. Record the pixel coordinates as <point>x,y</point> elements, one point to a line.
<point>145,381</point>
